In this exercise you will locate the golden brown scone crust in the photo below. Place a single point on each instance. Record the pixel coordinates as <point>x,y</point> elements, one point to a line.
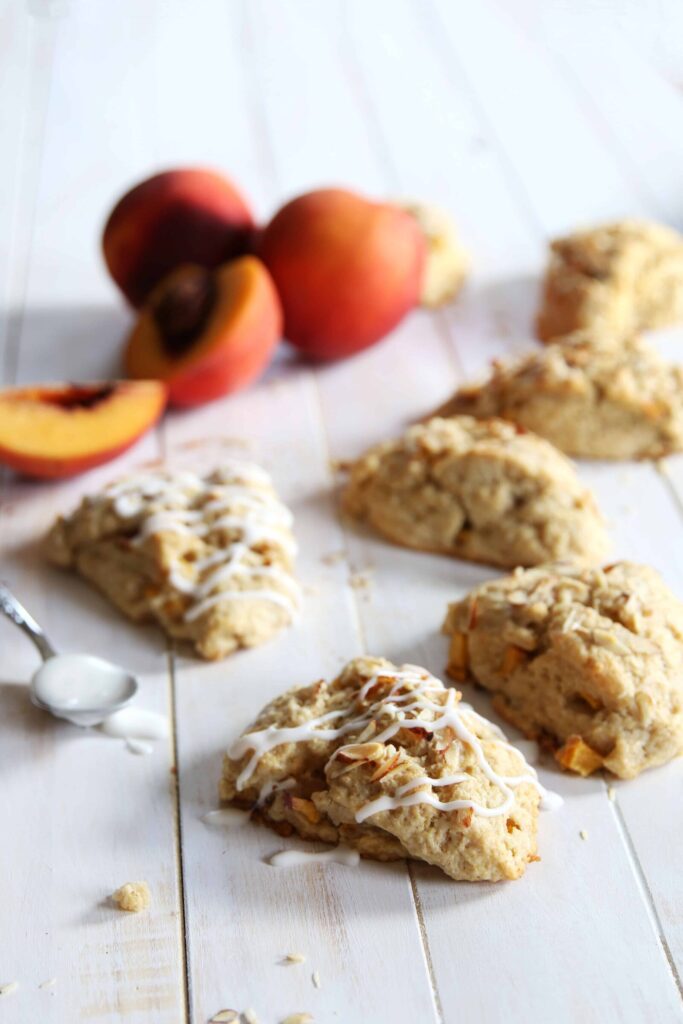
<point>618,279</point>
<point>589,660</point>
<point>328,781</point>
<point>149,574</point>
<point>481,490</point>
<point>590,398</point>
<point>447,262</point>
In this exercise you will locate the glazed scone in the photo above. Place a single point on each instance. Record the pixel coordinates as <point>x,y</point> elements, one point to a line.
<point>482,490</point>
<point>207,557</point>
<point>447,262</point>
<point>617,279</point>
<point>588,661</point>
<point>589,398</point>
<point>388,761</point>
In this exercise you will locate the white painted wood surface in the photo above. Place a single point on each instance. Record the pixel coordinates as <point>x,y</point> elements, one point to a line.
<point>523,119</point>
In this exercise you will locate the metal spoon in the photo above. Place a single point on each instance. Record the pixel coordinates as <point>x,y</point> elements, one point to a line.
<point>79,687</point>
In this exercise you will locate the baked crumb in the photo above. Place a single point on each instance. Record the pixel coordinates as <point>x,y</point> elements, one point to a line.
<point>333,557</point>
<point>294,958</point>
<point>298,1018</point>
<point>133,897</point>
<point>9,988</point>
<point>583,834</point>
<point>361,580</point>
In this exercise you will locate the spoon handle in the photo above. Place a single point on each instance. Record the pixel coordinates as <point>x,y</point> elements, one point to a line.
<point>17,614</point>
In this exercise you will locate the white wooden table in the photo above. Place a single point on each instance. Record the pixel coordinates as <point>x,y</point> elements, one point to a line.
<point>522,118</point>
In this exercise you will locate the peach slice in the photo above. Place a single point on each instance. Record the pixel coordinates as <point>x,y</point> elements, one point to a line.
<point>347,269</point>
<point>56,430</point>
<point>181,216</point>
<point>207,333</point>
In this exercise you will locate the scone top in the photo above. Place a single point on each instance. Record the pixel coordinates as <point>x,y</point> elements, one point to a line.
<point>391,749</point>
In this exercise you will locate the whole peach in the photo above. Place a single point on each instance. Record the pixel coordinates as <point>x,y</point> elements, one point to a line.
<point>347,269</point>
<point>180,216</point>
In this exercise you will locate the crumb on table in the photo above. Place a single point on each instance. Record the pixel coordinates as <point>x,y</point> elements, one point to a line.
<point>133,896</point>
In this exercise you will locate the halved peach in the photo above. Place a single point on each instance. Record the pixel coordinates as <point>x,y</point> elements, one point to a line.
<point>206,333</point>
<point>189,215</point>
<point>55,430</point>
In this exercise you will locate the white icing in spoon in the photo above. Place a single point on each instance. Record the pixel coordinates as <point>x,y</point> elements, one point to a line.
<point>337,855</point>
<point>82,688</point>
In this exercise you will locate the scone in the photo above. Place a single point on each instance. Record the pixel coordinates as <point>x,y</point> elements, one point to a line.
<point>447,263</point>
<point>208,557</point>
<point>589,398</point>
<point>482,490</point>
<point>617,279</point>
<point>589,661</point>
<point>388,761</point>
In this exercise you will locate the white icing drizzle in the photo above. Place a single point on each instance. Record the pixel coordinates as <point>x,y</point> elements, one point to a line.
<point>273,786</point>
<point>337,855</point>
<point>237,497</point>
<point>407,705</point>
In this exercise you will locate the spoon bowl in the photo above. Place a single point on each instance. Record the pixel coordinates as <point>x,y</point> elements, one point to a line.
<point>81,688</point>
<point>78,687</point>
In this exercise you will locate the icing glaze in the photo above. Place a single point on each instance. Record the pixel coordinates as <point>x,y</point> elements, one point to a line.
<point>337,855</point>
<point>408,704</point>
<point>237,499</point>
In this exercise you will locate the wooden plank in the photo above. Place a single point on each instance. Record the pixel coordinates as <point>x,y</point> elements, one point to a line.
<point>242,915</point>
<point>405,622</point>
<point>86,815</point>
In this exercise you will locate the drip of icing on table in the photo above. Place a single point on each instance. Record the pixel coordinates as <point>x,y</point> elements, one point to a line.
<point>337,855</point>
<point>135,724</point>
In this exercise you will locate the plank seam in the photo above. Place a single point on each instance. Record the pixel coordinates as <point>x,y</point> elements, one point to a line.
<point>19,276</point>
<point>602,125</point>
<point>422,925</point>
<point>648,898</point>
<point>379,143</point>
<point>178,837</point>
<point>529,212</point>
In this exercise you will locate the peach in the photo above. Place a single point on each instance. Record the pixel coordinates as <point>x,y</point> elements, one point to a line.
<point>55,430</point>
<point>207,333</point>
<point>347,269</point>
<point>181,216</point>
